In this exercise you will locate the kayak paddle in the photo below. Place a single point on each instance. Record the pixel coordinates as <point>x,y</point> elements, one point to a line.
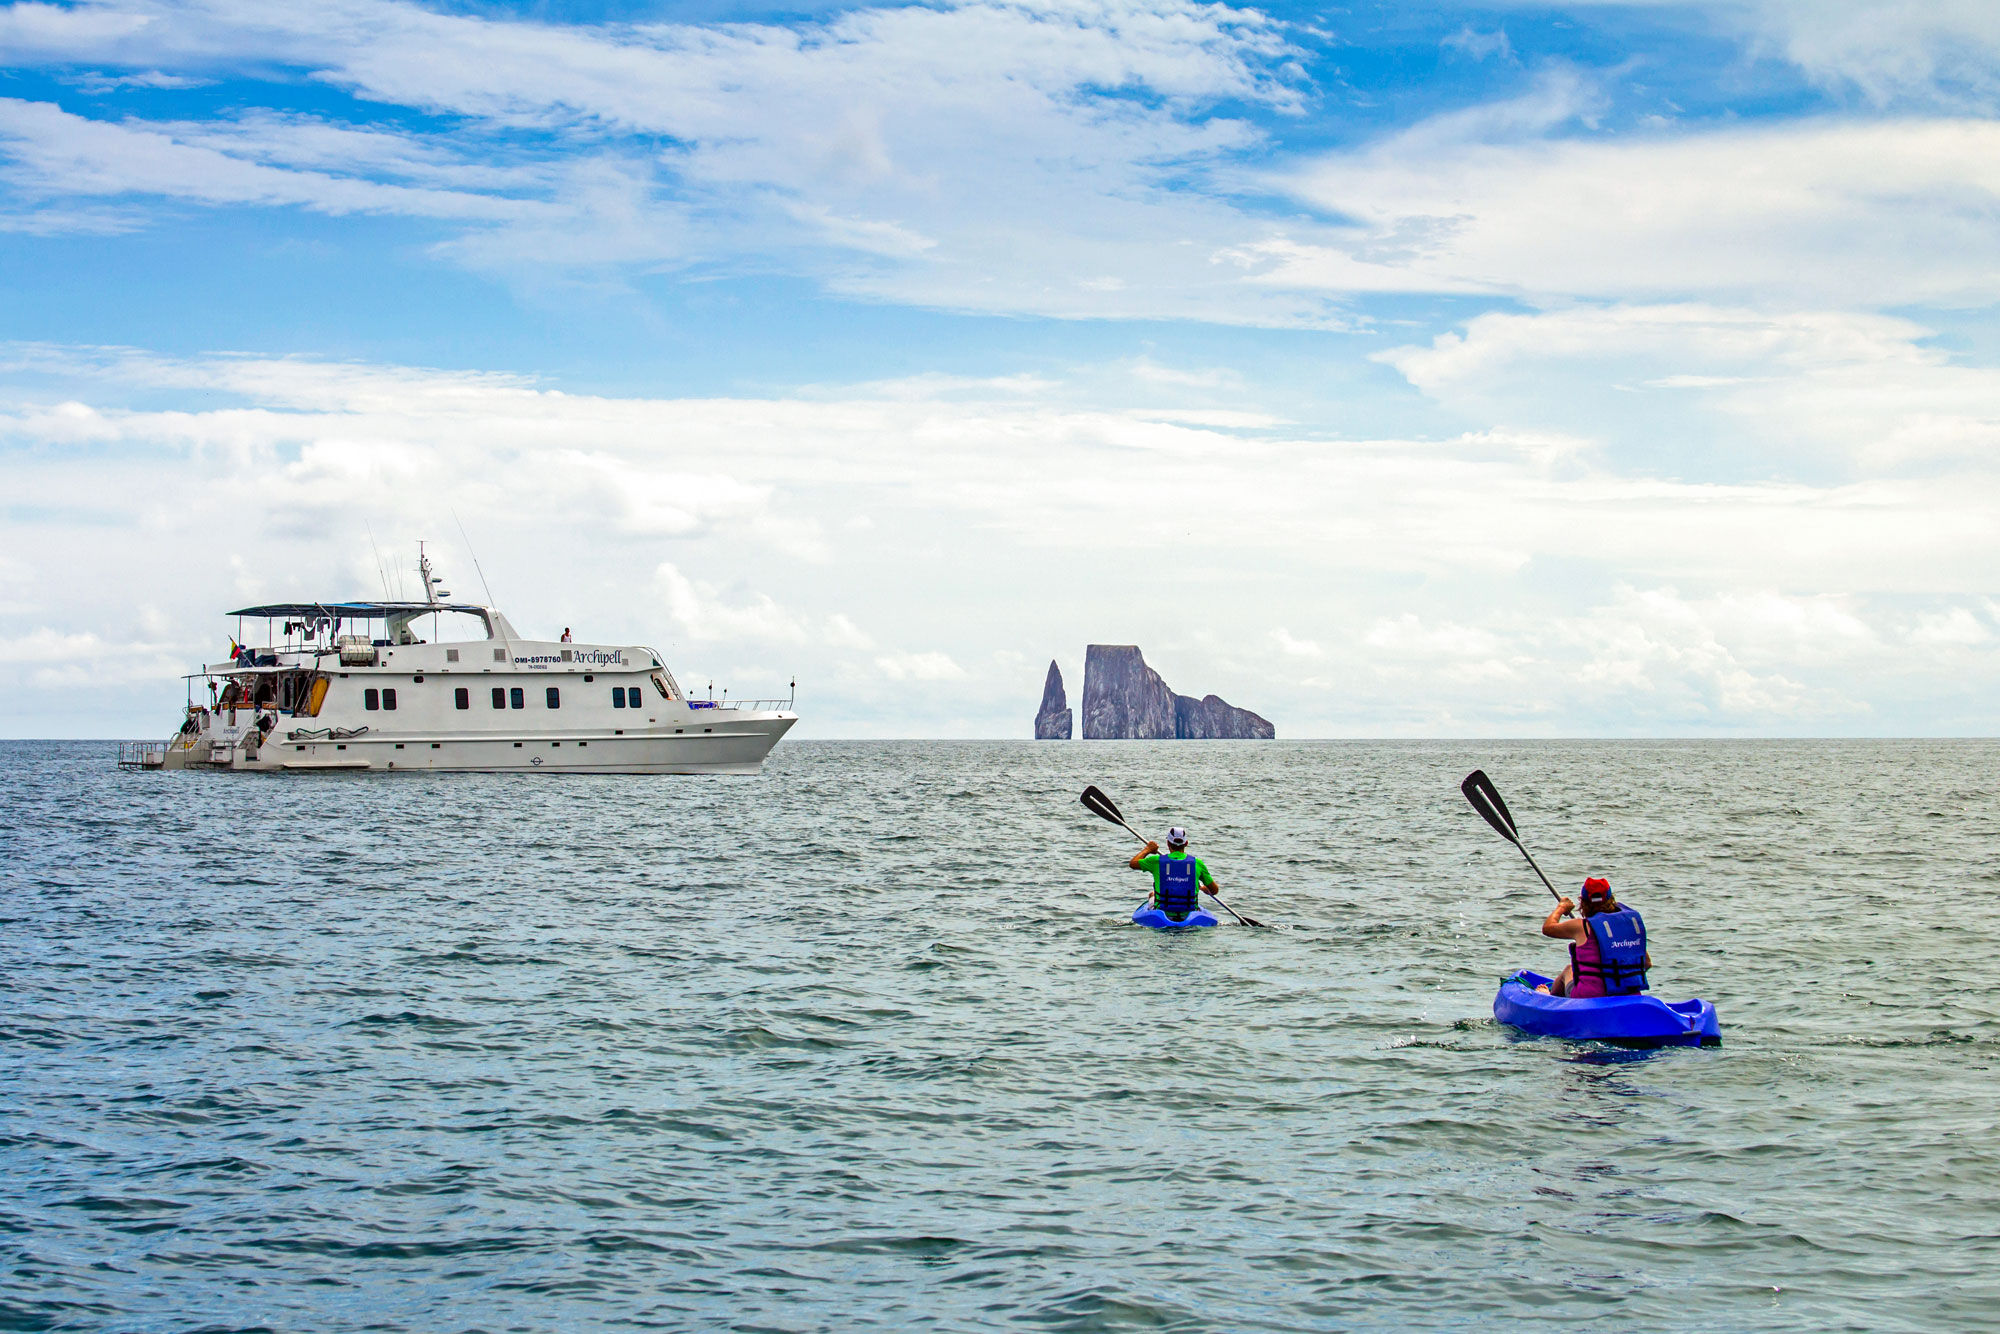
<point>1485,799</point>
<point>1102,806</point>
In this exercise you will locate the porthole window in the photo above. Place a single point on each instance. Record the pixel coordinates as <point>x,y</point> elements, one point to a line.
<point>462,697</point>
<point>516,698</point>
<point>499,698</point>
<point>388,699</point>
<point>555,698</point>
<point>371,699</point>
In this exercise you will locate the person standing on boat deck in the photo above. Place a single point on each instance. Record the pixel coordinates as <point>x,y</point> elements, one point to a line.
<point>1607,951</point>
<point>1178,877</point>
<point>565,638</point>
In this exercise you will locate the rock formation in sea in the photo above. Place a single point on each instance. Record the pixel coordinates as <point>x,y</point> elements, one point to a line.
<point>1125,700</point>
<point>1052,723</point>
<point>1209,716</point>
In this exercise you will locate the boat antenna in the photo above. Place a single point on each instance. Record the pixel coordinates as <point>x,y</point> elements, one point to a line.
<point>475,558</point>
<point>380,569</point>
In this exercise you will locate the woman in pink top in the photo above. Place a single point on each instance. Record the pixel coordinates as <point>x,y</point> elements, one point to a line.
<point>1558,925</point>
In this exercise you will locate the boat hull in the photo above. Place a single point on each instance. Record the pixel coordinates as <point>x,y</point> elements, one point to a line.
<point>1633,1021</point>
<point>735,746</point>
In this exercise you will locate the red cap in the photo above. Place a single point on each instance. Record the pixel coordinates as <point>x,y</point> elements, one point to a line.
<point>1596,887</point>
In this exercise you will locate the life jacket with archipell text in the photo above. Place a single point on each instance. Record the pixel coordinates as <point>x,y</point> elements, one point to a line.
<point>1180,887</point>
<point>1611,961</point>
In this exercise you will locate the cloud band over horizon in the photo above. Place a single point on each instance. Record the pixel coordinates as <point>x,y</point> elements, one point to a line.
<point>1563,386</point>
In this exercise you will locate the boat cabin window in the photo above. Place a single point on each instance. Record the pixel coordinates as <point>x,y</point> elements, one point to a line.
<point>371,699</point>
<point>555,698</point>
<point>388,699</point>
<point>499,655</point>
<point>499,697</point>
<point>462,697</point>
<point>618,697</point>
<point>516,698</point>
<point>451,655</point>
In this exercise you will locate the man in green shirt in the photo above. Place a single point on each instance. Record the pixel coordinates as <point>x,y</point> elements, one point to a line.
<point>1178,878</point>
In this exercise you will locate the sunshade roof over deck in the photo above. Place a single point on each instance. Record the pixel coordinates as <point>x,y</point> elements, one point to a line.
<point>354,611</point>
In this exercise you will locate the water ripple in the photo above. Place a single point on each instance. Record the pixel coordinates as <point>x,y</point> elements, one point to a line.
<point>866,1043</point>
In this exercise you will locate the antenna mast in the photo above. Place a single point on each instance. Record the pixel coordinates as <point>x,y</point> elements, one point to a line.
<point>380,569</point>
<point>475,559</point>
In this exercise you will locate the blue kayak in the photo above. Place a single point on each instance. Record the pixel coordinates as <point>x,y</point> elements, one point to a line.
<point>1640,1021</point>
<point>1148,915</point>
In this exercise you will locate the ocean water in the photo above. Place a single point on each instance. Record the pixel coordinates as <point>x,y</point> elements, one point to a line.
<point>866,1043</point>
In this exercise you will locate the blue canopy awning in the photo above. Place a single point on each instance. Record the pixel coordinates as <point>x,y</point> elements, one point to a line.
<point>353,611</point>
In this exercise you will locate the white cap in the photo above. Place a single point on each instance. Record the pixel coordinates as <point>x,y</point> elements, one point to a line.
<point>1177,837</point>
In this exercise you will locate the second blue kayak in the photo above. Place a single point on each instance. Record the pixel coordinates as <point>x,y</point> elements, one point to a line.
<point>1640,1021</point>
<point>1159,921</point>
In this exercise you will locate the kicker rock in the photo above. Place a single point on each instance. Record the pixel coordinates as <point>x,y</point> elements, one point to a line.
<point>1052,723</point>
<point>1123,698</point>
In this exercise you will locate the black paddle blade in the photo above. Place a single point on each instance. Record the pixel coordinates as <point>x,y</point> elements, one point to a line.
<point>1485,799</point>
<point>1100,805</point>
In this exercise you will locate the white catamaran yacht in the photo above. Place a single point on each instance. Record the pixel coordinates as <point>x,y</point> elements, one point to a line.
<point>354,685</point>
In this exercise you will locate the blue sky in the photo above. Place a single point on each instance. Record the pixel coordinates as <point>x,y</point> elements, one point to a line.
<point>1518,369</point>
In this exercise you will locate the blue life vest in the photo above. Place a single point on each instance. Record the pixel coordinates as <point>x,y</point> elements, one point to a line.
<point>1180,887</point>
<point>1621,952</point>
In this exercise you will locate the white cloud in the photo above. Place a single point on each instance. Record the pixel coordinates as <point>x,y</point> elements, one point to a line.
<point>1070,160</point>
<point>701,611</point>
<point>932,666</point>
<point>1293,647</point>
<point>304,437</point>
<point>1868,391</point>
<point>844,633</point>
<point>54,153</point>
<point>1825,211</point>
<point>1931,50</point>
<point>1480,45</point>
<point>53,659</point>
<point>44,645</point>
<point>92,82</point>
<point>1651,661</point>
<point>988,154</point>
<point>1407,636</point>
<point>1655,646</point>
<point>1421,582</point>
<point>1958,626</point>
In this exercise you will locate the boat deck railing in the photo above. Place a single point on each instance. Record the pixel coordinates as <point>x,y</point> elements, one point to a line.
<point>141,754</point>
<point>747,705</point>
